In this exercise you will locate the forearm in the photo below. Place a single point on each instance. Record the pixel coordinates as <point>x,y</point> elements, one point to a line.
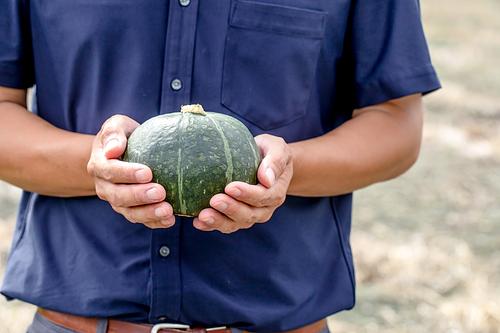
<point>39,157</point>
<point>378,144</point>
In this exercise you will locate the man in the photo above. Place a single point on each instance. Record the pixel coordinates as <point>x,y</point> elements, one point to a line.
<point>331,89</point>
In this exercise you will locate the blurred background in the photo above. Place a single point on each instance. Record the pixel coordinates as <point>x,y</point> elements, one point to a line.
<point>427,245</point>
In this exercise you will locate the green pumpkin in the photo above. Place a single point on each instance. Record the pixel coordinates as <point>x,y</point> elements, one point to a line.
<point>194,154</point>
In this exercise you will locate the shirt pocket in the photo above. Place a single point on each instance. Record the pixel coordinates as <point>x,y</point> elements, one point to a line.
<point>270,58</point>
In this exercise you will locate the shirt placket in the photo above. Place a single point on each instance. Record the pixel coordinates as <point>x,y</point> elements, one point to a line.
<point>176,91</point>
<point>179,51</point>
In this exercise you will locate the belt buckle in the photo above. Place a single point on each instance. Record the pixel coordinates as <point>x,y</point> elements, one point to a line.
<point>218,328</point>
<point>156,328</point>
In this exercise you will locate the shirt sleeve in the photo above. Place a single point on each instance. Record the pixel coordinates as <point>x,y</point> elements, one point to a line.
<point>388,51</point>
<point>16,55</point>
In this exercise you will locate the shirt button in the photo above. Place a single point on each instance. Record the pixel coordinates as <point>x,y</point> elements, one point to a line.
<point>164,251</point>
<point>176,84</point>
<point>184,3</point>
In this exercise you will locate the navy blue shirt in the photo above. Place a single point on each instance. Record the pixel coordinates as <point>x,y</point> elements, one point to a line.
<point>291,68</point>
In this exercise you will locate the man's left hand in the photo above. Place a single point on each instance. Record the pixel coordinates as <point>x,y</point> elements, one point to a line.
<point>242,205</point>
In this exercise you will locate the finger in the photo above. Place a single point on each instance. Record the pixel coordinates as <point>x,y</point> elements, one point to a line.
<point>114,133</point>
<point>206,219</point>
<point>116,171</point>
<point>121,195</point>
<point>277,156</point>
<point>257,195</point>
<point>202,225</point>
<point>154,213</point>
<point>215,221</point>
<point>162,224</point>
<point>241,213</point>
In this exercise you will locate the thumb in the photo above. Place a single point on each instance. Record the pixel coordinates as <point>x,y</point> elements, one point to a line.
<point>275,159</point>
<point>115,146</point>
<point>266,173</point>
<point>114,133</point>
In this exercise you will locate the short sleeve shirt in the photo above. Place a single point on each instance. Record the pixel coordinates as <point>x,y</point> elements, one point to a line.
<point>291,68</point>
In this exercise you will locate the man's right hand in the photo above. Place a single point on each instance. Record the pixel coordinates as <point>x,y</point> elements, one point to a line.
<point>126,186</point>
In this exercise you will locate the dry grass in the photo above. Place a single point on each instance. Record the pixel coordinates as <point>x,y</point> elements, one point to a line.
<point>427,245</point>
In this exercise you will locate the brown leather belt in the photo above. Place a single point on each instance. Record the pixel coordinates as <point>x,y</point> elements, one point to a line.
<point>89,325</point>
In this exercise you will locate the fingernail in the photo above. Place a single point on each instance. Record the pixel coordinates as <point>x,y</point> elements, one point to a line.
<point>161,212</point>
<point>111,143</point>
<point>153,194</point>
<point>198,224</point>
<point>142,175</point>
<point>221,206</point>
<point>168,223</point>
<point>270,175</point>
<point>208,220</point>
<point>234,192</point>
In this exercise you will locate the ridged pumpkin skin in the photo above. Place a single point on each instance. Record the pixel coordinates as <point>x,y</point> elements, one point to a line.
<point>194,156</point>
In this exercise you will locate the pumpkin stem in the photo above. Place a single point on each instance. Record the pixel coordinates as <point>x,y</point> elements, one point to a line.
<point>193,108</point>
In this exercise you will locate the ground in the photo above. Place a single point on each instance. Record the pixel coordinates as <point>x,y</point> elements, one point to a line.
<point>427,245</point>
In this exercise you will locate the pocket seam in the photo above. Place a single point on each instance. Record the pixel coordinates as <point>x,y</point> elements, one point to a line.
<point>278,24</point>
<point>227,99</point>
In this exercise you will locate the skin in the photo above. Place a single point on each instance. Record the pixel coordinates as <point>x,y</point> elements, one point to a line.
<point>361,152</point>
<point>39,157</point>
